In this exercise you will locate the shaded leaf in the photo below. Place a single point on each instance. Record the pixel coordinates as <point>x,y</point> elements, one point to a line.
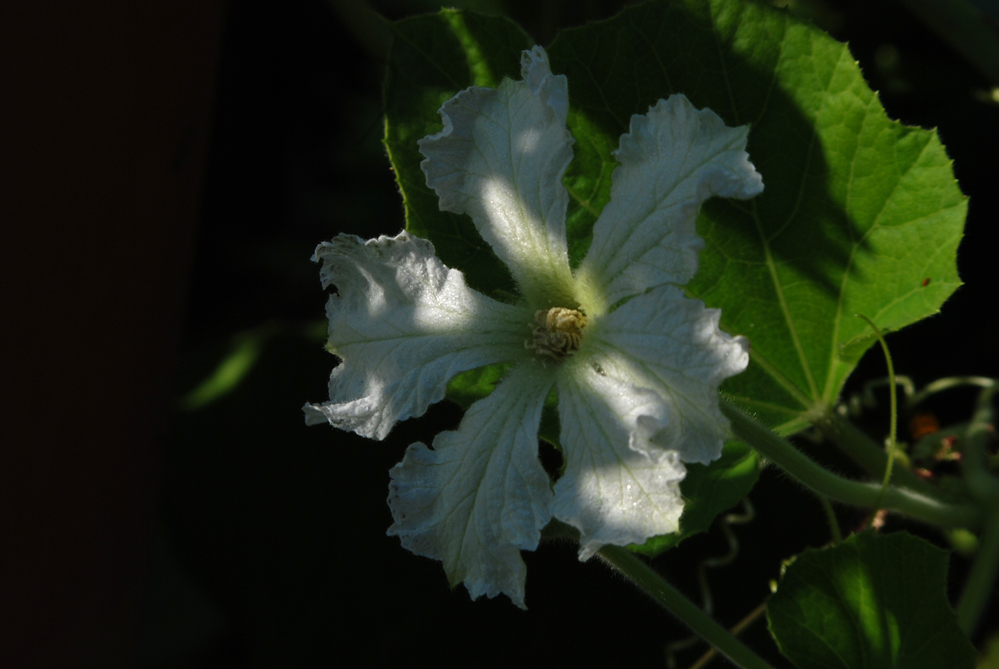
<point>873,601</point>
<point>707,491</point>
<point>468,387</point>
<point>433,57</point>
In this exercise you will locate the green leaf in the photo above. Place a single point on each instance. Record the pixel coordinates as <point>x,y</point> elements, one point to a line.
<point>873,601</point>
<point>707,491</point>
<point>433,57</point>
<point>471,386</point>
<point>857,213</point>
<point>243,354</point>
<point>990,655</point>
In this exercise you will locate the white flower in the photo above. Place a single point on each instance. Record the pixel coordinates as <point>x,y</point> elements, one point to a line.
<point>636,365</point>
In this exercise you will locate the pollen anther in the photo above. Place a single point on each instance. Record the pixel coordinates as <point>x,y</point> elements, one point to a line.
<point>557,332</point>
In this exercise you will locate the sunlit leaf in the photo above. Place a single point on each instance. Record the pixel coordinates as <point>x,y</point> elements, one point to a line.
<point>857,213</point>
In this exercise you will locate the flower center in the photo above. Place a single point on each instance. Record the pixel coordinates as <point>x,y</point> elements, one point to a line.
<point>557,332</point>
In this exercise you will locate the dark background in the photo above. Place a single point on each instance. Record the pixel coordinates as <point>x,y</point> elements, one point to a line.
<point>172,170</point>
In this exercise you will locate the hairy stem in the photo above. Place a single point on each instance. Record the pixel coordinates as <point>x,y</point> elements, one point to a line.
<point>783,454</point>
<point>978,588</point>
<point>871,458</point>
<point>648,580</point>
<point>985,487</point>
<point>837,535</point>
<point>741,625</point>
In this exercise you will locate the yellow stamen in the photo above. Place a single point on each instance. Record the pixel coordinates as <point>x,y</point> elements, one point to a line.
<point>557,332</point>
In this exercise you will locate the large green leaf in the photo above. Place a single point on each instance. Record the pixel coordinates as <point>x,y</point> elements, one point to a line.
<point>874,601</point>
<point>859,214</point>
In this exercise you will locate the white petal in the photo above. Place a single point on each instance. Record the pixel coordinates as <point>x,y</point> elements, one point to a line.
<point>672,344</point>
<point>618,487</point>
<point>673,159</point>
<point>404,325</point>
<point>481,495</point>
<point>500,159</point>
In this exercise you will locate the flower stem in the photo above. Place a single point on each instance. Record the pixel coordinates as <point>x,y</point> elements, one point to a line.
<point>982,484</point>
<point>979,586</point>
<point>947,383</point>
<point>741,625</point>
<point>837,535</point>
<point>871,458</point>
<point>646,578</point>
<point>985,487</point>
<point>783,454</point>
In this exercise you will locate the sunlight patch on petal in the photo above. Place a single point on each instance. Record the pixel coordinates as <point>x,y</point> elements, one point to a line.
<point>500,159</point>
<point>618,487</point>
<point>671,161</point>
<point>404,325</point>
<point>481,495</point>
<point>672,344</point>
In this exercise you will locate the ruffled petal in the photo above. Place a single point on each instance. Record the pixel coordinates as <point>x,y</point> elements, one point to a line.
<point>618,487</point>
<point>673,159</point>
<point>667,342</point>
<point>500,159</point>
<point>404,325</point>
<point>481,495</point>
